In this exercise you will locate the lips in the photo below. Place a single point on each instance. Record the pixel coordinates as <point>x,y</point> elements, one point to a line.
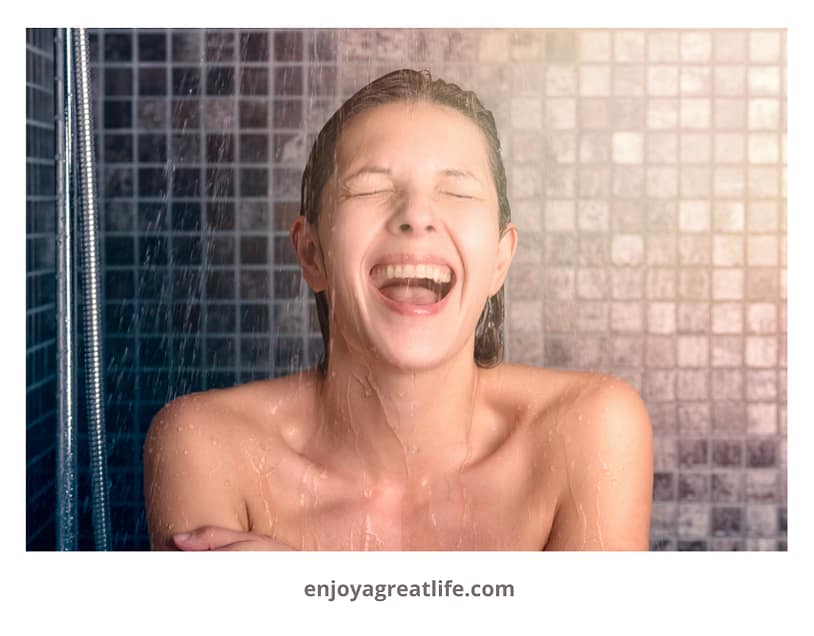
<point>411,283</point>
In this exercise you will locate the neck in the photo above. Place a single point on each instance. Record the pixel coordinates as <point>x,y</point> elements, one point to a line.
<point>399,426</point>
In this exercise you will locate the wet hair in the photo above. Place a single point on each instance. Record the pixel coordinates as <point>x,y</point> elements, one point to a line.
<point>406,85</point>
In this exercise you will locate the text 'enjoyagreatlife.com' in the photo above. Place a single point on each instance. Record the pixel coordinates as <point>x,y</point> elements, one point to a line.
<point>435,588</point>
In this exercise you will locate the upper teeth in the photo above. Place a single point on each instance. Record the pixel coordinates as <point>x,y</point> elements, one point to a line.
<point>437,273</point>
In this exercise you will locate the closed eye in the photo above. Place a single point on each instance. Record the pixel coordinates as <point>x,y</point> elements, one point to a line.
<point>457,195</point>
<point>367,194</point>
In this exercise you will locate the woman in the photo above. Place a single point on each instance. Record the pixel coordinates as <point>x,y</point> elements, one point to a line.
<point>412,434</point>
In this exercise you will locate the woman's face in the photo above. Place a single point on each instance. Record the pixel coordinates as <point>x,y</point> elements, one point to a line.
<point>409,233</point>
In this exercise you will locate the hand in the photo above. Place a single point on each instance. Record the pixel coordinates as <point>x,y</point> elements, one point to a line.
<point>223,539</point>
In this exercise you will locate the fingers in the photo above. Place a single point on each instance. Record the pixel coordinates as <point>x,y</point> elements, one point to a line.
<point>216,538</point>
<point>210,538</point>
<point>244,546</point>
<point>265,544</point>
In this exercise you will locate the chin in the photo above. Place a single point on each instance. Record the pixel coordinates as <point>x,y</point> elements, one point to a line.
<point>415,357</point>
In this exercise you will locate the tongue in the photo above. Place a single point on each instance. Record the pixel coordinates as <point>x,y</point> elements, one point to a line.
<point>413,294</point>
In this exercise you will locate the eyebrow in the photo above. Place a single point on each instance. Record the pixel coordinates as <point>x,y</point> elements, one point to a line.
<point>459,174</point>
<point>367,170</point>
<point>446,172</point>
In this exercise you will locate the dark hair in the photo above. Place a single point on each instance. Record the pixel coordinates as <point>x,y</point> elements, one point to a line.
<point>411,86</point>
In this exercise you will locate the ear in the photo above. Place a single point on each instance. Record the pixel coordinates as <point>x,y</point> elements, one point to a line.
<point>505,253</point>
<point>306,246</point>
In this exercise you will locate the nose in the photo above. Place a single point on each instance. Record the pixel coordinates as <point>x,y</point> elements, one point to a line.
<point>414,215</point>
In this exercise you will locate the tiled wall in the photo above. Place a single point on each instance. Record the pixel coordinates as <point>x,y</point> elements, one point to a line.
<point>199,177</point>
<point>646,173</point>
<point>40,307</point>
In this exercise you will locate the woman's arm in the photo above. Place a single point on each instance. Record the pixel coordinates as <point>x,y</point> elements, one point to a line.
<point>190,480</point>
<point>608,454</point>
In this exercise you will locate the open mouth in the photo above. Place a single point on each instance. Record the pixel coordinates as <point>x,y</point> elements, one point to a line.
<point>422,284</point>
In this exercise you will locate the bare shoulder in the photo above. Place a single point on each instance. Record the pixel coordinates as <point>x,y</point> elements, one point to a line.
<point>598,428</point>
<point>584,401</point>
<point>194,424</point>
<point>196,453</point>
<point>187,458</point>
<point>230,415</point>
<point>610,424</point>
<point>609,473</point>
<point>608,404</point>
<point>540,389</point>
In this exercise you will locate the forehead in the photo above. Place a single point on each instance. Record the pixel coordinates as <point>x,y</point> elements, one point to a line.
<point>433,131</point>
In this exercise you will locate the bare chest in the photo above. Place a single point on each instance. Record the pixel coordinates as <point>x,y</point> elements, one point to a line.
<point>496,507</point>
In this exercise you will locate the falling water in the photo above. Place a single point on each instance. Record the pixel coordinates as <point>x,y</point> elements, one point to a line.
<point>202,288</point>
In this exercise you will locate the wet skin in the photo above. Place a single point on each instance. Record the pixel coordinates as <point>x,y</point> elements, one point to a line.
<point>555,460</point>
<point>405,444</point>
